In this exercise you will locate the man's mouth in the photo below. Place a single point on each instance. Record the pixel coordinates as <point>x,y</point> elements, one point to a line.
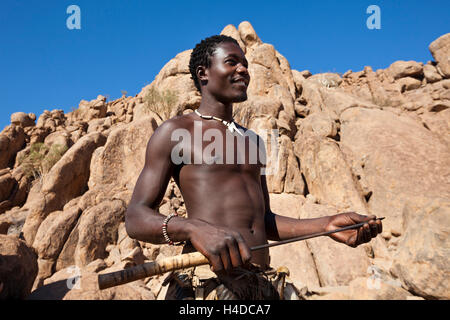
<point>241,81</point>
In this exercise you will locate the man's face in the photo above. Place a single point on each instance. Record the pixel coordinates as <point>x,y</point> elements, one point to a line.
<point>227,76</point>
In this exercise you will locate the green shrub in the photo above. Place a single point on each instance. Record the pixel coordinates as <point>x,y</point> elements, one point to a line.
<point>164,103</point>
<point>55,153</point>
<point>41,159</point>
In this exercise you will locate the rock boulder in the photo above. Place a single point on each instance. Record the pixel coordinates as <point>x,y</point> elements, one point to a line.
<point>18,268</point>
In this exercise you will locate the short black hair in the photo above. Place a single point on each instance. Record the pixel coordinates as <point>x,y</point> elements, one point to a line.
<point>202,53</point>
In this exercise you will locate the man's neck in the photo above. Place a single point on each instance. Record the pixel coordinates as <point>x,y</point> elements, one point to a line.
<point>211,107</point>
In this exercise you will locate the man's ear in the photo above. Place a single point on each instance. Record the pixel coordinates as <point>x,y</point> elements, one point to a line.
<point>202,74</point>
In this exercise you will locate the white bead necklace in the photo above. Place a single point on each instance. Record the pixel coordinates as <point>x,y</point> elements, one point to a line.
<point>230,125</point>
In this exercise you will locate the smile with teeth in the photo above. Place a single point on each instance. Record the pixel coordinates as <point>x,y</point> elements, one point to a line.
<point>240,81</point>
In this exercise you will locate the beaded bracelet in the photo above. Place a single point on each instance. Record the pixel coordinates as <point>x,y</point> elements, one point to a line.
<point>164,227</point>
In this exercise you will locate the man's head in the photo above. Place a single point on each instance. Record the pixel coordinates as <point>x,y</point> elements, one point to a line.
<point>218,65</point>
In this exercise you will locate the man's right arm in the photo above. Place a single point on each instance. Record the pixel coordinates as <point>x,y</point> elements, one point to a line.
<point>142,219</point>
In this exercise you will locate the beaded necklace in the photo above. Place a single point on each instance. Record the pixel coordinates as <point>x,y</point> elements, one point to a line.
<point>230,125</point>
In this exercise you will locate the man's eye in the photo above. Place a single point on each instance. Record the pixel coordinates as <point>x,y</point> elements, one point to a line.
<point>232,62</point>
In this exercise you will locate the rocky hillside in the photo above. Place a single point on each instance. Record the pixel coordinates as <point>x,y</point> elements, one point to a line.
<point>374,142</point>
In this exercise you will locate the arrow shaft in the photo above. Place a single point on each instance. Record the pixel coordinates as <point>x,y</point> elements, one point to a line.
<point>309,236</point>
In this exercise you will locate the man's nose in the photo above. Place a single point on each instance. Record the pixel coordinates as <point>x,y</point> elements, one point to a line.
<point>242,69</point>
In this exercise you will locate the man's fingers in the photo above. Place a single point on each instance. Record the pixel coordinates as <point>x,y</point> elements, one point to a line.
<point>352,241</point>
<point>358,218</point>
<point>363,234</point>
<point>368,231</point>
<point>218,265</point>
<point>216,262</point>
<point>380,226</point>
<point>373,228</point>
<point>226,261</point>
<point>235,255</point>
<point>244,251</point>
<point>231,255</point>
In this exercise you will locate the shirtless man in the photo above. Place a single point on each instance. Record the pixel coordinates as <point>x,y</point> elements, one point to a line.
<point>227,204</point>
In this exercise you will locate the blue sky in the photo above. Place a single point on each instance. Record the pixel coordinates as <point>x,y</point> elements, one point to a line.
<point>122,45</point>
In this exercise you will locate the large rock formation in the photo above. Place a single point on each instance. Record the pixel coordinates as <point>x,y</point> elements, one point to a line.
<point>421,261</point>
<point>65,181</point>
<point>374,142</point>
<point>18,268</point>
<point>440,49</point>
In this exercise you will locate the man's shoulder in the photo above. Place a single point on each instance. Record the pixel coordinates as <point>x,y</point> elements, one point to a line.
<point>164,138</point>
<point>178,122</point>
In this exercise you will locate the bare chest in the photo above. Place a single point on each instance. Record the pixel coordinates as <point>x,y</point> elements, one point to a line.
<point>218,147</point>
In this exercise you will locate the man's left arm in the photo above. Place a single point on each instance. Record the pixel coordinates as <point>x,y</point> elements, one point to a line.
<point>281,228</point>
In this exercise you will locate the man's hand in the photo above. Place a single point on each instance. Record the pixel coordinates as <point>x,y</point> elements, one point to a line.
<point>224,248</point>
<point>355,237</point>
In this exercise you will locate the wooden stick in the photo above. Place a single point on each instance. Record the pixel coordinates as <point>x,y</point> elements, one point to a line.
<point>149,269</point>
<point>188,260</point>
